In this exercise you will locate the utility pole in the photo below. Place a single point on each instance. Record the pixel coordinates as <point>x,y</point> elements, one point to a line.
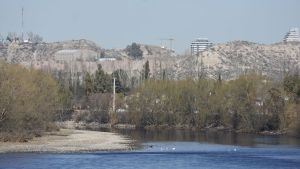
<point>114,95</point>
<point>114,89</point>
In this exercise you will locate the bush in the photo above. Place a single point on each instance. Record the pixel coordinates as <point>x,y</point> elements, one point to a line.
<point>248,103</point>
<point>28,102</point>
<point>134,50</point>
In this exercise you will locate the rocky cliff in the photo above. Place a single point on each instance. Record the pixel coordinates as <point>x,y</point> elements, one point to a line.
<point>226,60</point>
<point>234,58</point>
<point>75,57</point>
<point>29,52</point>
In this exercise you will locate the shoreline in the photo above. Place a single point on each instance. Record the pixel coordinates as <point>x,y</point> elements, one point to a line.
<point>96,126</point>
<point>70,141</point>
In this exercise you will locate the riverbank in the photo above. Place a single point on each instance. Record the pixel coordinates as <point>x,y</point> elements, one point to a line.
<point>69,140</point>
<point>116,127</point>
<point>109,127</point>
<point>218,129</point>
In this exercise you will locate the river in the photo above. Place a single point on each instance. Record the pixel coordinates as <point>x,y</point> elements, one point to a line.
<point>175,149</point>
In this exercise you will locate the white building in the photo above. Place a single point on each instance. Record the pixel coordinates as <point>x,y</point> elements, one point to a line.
<point>200,45</point>
<point>106,59</point>
<point>292,35</point>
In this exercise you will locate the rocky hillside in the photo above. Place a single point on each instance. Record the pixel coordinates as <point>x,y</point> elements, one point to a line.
<point>78,56</point>
<point>233,58</point>
<point>29,52</point>
<point>226,60</point>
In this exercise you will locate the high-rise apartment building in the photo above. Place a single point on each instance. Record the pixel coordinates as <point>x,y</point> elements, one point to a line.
<point>292,35</point>
<point>200,45</point>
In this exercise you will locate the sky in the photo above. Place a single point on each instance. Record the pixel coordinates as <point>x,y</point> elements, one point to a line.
<point>117,23</point>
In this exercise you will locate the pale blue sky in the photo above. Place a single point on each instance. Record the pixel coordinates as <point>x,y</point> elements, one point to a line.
<point>116,23</point>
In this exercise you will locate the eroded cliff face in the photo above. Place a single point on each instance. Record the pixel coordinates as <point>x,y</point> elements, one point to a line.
<point>226,60</point>
<point>76,57</point>
<point>29,52</point>
<point>67,59</point>
<point>234,58</point>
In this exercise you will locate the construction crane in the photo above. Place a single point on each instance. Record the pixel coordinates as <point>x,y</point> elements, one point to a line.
<point>170,42</point>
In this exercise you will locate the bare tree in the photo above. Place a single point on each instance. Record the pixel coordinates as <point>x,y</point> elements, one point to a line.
<point>34,38</point>
<point>12,36</point>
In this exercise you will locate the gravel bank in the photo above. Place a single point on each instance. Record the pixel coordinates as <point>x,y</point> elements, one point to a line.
<point>67,140</point>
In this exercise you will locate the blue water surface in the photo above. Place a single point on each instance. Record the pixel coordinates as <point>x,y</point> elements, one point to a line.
<point>165,155</point>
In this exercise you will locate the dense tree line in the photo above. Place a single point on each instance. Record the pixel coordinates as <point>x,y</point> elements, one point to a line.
<point>250,103</point>
<point>292,114</point>
<point>29,102</point>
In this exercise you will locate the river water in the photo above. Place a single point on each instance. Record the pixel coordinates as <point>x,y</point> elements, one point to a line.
<point>175,149</point>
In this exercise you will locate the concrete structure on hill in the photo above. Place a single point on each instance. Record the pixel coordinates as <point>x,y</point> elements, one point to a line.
<point>200,45</point>
<point>292,35</point>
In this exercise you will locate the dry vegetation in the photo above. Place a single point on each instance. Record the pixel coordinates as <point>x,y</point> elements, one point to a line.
<point>32,100</point>
<point>28,102</point>
<point>251,103</point>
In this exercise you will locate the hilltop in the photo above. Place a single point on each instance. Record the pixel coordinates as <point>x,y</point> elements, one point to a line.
<point>233,58</point>
<point>226,60</point>
<point>75,57</point>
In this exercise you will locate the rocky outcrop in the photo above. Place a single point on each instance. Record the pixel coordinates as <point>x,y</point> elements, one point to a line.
<point>16,52</point>
<point>234,58</point>
<point>226,60</point>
